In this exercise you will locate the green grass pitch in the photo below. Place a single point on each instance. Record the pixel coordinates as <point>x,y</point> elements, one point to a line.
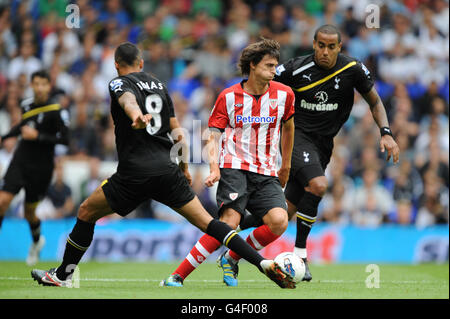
<point>141,280</point>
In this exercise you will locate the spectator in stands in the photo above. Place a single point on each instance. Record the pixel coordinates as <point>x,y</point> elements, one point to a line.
<point>336,205</point>
<point>439,110</point>
<point>93,181</point>
<point>193,46</point>
<point>26,63</point>
<point>437,163</point>
<point>57,7</point>
<point>212,60</point>
<point>157,62</point>
<point>65,41</point>
<point>212,7</point>
<point>404,212</point>
<point>8,42</point>
<point>350,24</point>
<point>149,33</point>
<point>422,104</point>
<point>372,202</point>
<point>240,29</point>
<point>433,134</point>
<point>113,10</point>
<point>84,139</point>
<point>59,196</point>
<point>367,159</point>
<point>276,27</point>
<point>433,206</point>
<point>408,183</point>
<point>364,44</point>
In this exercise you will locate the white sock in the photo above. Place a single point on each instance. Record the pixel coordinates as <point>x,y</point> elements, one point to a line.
<point>300,252</point>
<point>230,259</point>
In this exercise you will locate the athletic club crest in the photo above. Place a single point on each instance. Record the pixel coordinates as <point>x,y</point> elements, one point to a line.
<point>233,196</point>
<point>273,103</point>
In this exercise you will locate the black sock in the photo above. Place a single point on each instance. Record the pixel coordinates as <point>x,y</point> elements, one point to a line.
<point>228,237</point>
<point>77,243</point>
<point>306,217</point>
<point>35,230</point>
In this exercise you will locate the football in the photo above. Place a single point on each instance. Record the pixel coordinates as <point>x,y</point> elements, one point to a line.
<point>292,264</point>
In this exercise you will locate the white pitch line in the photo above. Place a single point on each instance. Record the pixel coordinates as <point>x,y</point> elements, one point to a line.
<point>241,280</point>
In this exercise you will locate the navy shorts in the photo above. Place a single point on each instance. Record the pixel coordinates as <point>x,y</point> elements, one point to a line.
<point>35,180</point>
<point>125,193</point>
<point>240,190</point>
<point>310,157</point>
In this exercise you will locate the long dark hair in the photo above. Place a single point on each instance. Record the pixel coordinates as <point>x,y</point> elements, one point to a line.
<point>255,52</point>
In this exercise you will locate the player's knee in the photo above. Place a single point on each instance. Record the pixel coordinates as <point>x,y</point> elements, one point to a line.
<point>4,203</point>
<point>3,207</point>
<point>318,186</point>
<point>278,222</point>
<point>231,218</point>
<point>85,213</point>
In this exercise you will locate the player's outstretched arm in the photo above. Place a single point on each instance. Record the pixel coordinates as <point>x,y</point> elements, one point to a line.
<point>129,104</point>
<point>287,143</point>
<point>212,148</point>
<point>387,141</point>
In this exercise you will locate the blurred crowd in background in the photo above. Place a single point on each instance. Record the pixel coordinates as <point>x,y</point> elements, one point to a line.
<point>193,47</point>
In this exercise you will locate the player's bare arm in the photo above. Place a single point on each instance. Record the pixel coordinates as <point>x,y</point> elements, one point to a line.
<point>181,139</point>
<point>212,147</point>
<point>287,143</point>
<point>129,104</point>
<point>387,142</point>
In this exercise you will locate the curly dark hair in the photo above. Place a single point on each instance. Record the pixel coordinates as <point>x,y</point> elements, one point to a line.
<point>255,52</point>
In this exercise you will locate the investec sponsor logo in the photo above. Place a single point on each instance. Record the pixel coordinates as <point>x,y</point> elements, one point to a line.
<point>319,106</point>
<point>255,119</point>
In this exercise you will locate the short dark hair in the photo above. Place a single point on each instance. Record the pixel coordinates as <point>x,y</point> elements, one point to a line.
<point>328,29</point>
<point>255,52</point>
<point>40,74</point>
<point>127,54</point>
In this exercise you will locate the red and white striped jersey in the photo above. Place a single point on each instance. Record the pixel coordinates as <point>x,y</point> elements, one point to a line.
<point>251,128</point>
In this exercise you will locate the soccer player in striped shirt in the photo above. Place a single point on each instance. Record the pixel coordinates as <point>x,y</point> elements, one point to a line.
<point>249,117</point>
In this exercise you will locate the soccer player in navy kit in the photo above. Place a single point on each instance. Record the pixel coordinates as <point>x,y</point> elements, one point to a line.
<point>323,83</point>
<point>44,124</point>
<point>144,118</point>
